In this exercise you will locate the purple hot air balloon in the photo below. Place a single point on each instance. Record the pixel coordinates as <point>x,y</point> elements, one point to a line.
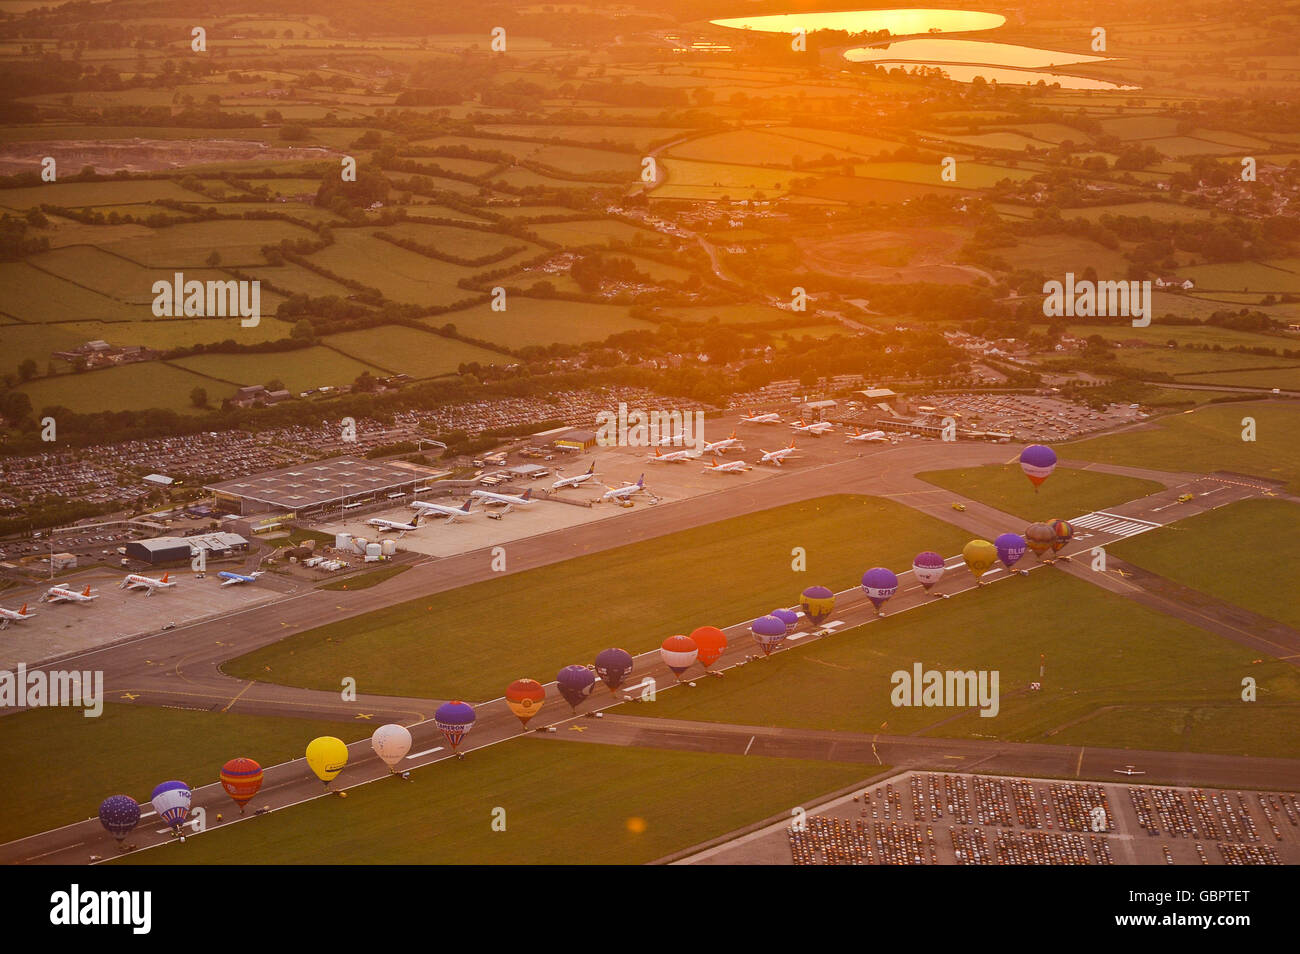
<point>928,567</point>
<point>789,617</point>
<point>1011,547</point>
<point>1037,461</point>
<point>769,632</point>
<point>817,602</point>
<point>454,718</point>
<point>879,584</point>
<point>575,684</point>
<point>119,814</point>
<point>612,666</point>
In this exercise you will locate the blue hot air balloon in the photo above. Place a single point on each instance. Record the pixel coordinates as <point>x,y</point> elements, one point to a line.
<point>612,666</point>
<point>454,718</point>
<point>817,602</point>
<point>119,814</point>
<point>879,584</point>
<point>928,567</point>
<point>171,800</point>
<point>1038,462</point>
<point>575,684</point>
<point>769,632</point>
<point>1011,547</point>
<point>789,617</point>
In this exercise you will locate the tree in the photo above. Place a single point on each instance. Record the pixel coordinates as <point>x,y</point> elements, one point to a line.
<point>199,397</point>
<point>27,370</point>
<point>214,259</point>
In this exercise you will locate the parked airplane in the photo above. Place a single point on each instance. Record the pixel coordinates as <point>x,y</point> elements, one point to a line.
<point>61,594</point>
<point>232,579</point>
<point>134,581</point>
<point>720,447</point>
<point>442,510</point>
<point>776,456</point>
<point>627,490</point>
<point>577,479</point>
<point>868,436</point>
<point>730,467</point>
<point>660,457</point>
<point>769,418</point>
<point>16,616</point>
<point>405,528</point>
<point>816,429</point>
<point>509,500</point>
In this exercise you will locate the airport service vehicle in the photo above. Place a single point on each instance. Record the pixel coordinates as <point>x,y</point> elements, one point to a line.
<point>958,506</point>
<point>659,457</point>
<point>443,510</point>
<point>61,594</point>
<point>230,578</point>
<point>863,437</point>
<point>8,616</point>
<point>776,456</point>
<point>624,492</point>
<point>509,501</point>
<point>816,429</point>
<point>769,418</point>
<point>405,528</point>
<point>721,447</point>
<point>576,480</point>
<point>730,467</point>
<point>134,581</point>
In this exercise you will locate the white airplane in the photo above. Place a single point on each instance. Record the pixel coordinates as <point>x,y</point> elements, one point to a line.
<point>61,594</point>
<point>405,528</point>
<point>867,436</point>
<point>769,418</point>
<point>442,510</point>
<point>509,500</point>
<point>660,457</point>
<point>816,429</point>
<point>720,447</point>
<point>233,579</point>
<point>577,479</point>
<point>134,581</point>
<point>15,616</point>
<point>776,456</point>
<point>627,490</point>
<point>730,467</point>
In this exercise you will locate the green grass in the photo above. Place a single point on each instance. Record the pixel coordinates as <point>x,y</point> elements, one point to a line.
<point>35,296</point>
<point>1102,650</point>
<point>402,275</point>
<point>62,765</point>
<point>540,321</point>
<point>189,245</point>
<point>366,580</point>
<point>554,814</point>
<point>1286,378</point>
<point>1067,493</point>
<point>1240,573</point>
<point>421,354</point>
<point>632,597</point>
<point>306,368</point>
<point>1207,439</point>
<point>130,387</point>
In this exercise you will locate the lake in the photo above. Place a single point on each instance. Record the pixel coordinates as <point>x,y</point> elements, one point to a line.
<point>897,22</point>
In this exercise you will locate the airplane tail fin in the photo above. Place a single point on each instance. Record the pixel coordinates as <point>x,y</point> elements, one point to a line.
<point>23,611</point>
<point>165,575</point>
<point>467,503</point>
<point>640,481</point>
<point>86,591</point>
<point>528,494</point>
<point>415,521</point>
<point>592,468</point>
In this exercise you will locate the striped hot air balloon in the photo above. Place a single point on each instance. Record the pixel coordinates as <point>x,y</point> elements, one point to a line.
<point>679,653</point>
<point>928,567</point>
<point>454,718</point>
<point>879,584</point>
<point>241,778</point>
<point>525,698</point>
<point>769,632</point>
<point>171,800</point>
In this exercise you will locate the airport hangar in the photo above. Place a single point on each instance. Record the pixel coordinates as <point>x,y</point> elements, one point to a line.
<point>339,482</point>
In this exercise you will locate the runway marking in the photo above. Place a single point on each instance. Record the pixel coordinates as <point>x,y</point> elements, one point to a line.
<point>130,695</point>
<point>240,693</point>
<point>577,728</point>
<point>54,852</point>
<point>1079,765</point>
<point>365,715</point>
<point>959,757</point>
<point>751,742</point>
<point>416,755</point>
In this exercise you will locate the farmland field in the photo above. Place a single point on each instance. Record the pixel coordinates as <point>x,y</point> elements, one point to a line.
<point>126,388</point>
<point>403,275</point>
<point>36,296</point>
<point>541,321</point>
<point>189,245</point>
<point>420,354</point>
<point>299,370</point>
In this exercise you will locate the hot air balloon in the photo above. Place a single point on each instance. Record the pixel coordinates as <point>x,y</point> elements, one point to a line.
<point>241,778</point>
<point>525,698</point>
<point>612,666</point>
<point>454,718</point>
<point>879,584</point>
<point>679,653</point>
<point>817,603</point>
<point>979,556</point>
<point>769,632</point>
<point>326,756</point>
<point>1063,532</point>
<point>789,617</point>
<point>1038,462</point>
<point>1039,537</point>
<point>119,814</point>
<point>391,743</point>
<point>575,684</point>
<point>928,567</point>
<point>171,800</point>
<point>1011,547</point>
<point>711,643</point>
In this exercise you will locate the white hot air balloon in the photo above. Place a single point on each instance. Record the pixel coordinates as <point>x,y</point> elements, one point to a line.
<point>391,743</point>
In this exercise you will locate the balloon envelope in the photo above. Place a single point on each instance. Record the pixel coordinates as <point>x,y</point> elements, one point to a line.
<point>171,800</point>
<point>711,643</point>
<point>769,632</point>
<point>119,814</point>
<point>1011,547</point>
<point>241,778</point>
<point>525,698</point>
<point>789,617</point>
<point>326,756</point>
<point>391,743</point>
<point>1039,537</point>
<point>928,567</point>
<point>817,603</point>
<point>612,666</point>
<point>1063,532</point>
<point>1038,462</point>
<point>575,683</point>
<point>454,718</point>
<point>979,556</point>
<point>879,584</point>
<point>679,653</point>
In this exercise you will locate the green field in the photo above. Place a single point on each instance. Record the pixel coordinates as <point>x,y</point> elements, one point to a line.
<point>366,580</point>
<point>541,321</point>
<point>1067,493</point>
<point>35,296</point>
<point>299,370</point>
<point>402,275</point>
<point>131,387</point>
<point>1106,651</point>
<point>1244,277</point>
<point>647,804</point>
<point>189,245</point>
<point>420,354</point>
<point>1207,439</point>
<point>657,592</point>
<point>1286,378</point>
<point>62,765</point>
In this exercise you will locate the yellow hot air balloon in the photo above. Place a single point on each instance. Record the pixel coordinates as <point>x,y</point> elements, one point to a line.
<point>979,556</point>
<point>326,757</point>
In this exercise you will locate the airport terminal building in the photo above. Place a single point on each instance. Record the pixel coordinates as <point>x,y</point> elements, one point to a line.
<point>338,483</point>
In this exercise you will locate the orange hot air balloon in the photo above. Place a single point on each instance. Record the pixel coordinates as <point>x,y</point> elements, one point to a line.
<point>525,698</point>
<point>712,643</point>
<point>241,778</point>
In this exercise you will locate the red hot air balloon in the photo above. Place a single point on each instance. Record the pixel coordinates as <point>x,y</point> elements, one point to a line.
<point>525,698</point>
<point>679,653</point>
<point>711,643</point>
<point>241,778</point>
